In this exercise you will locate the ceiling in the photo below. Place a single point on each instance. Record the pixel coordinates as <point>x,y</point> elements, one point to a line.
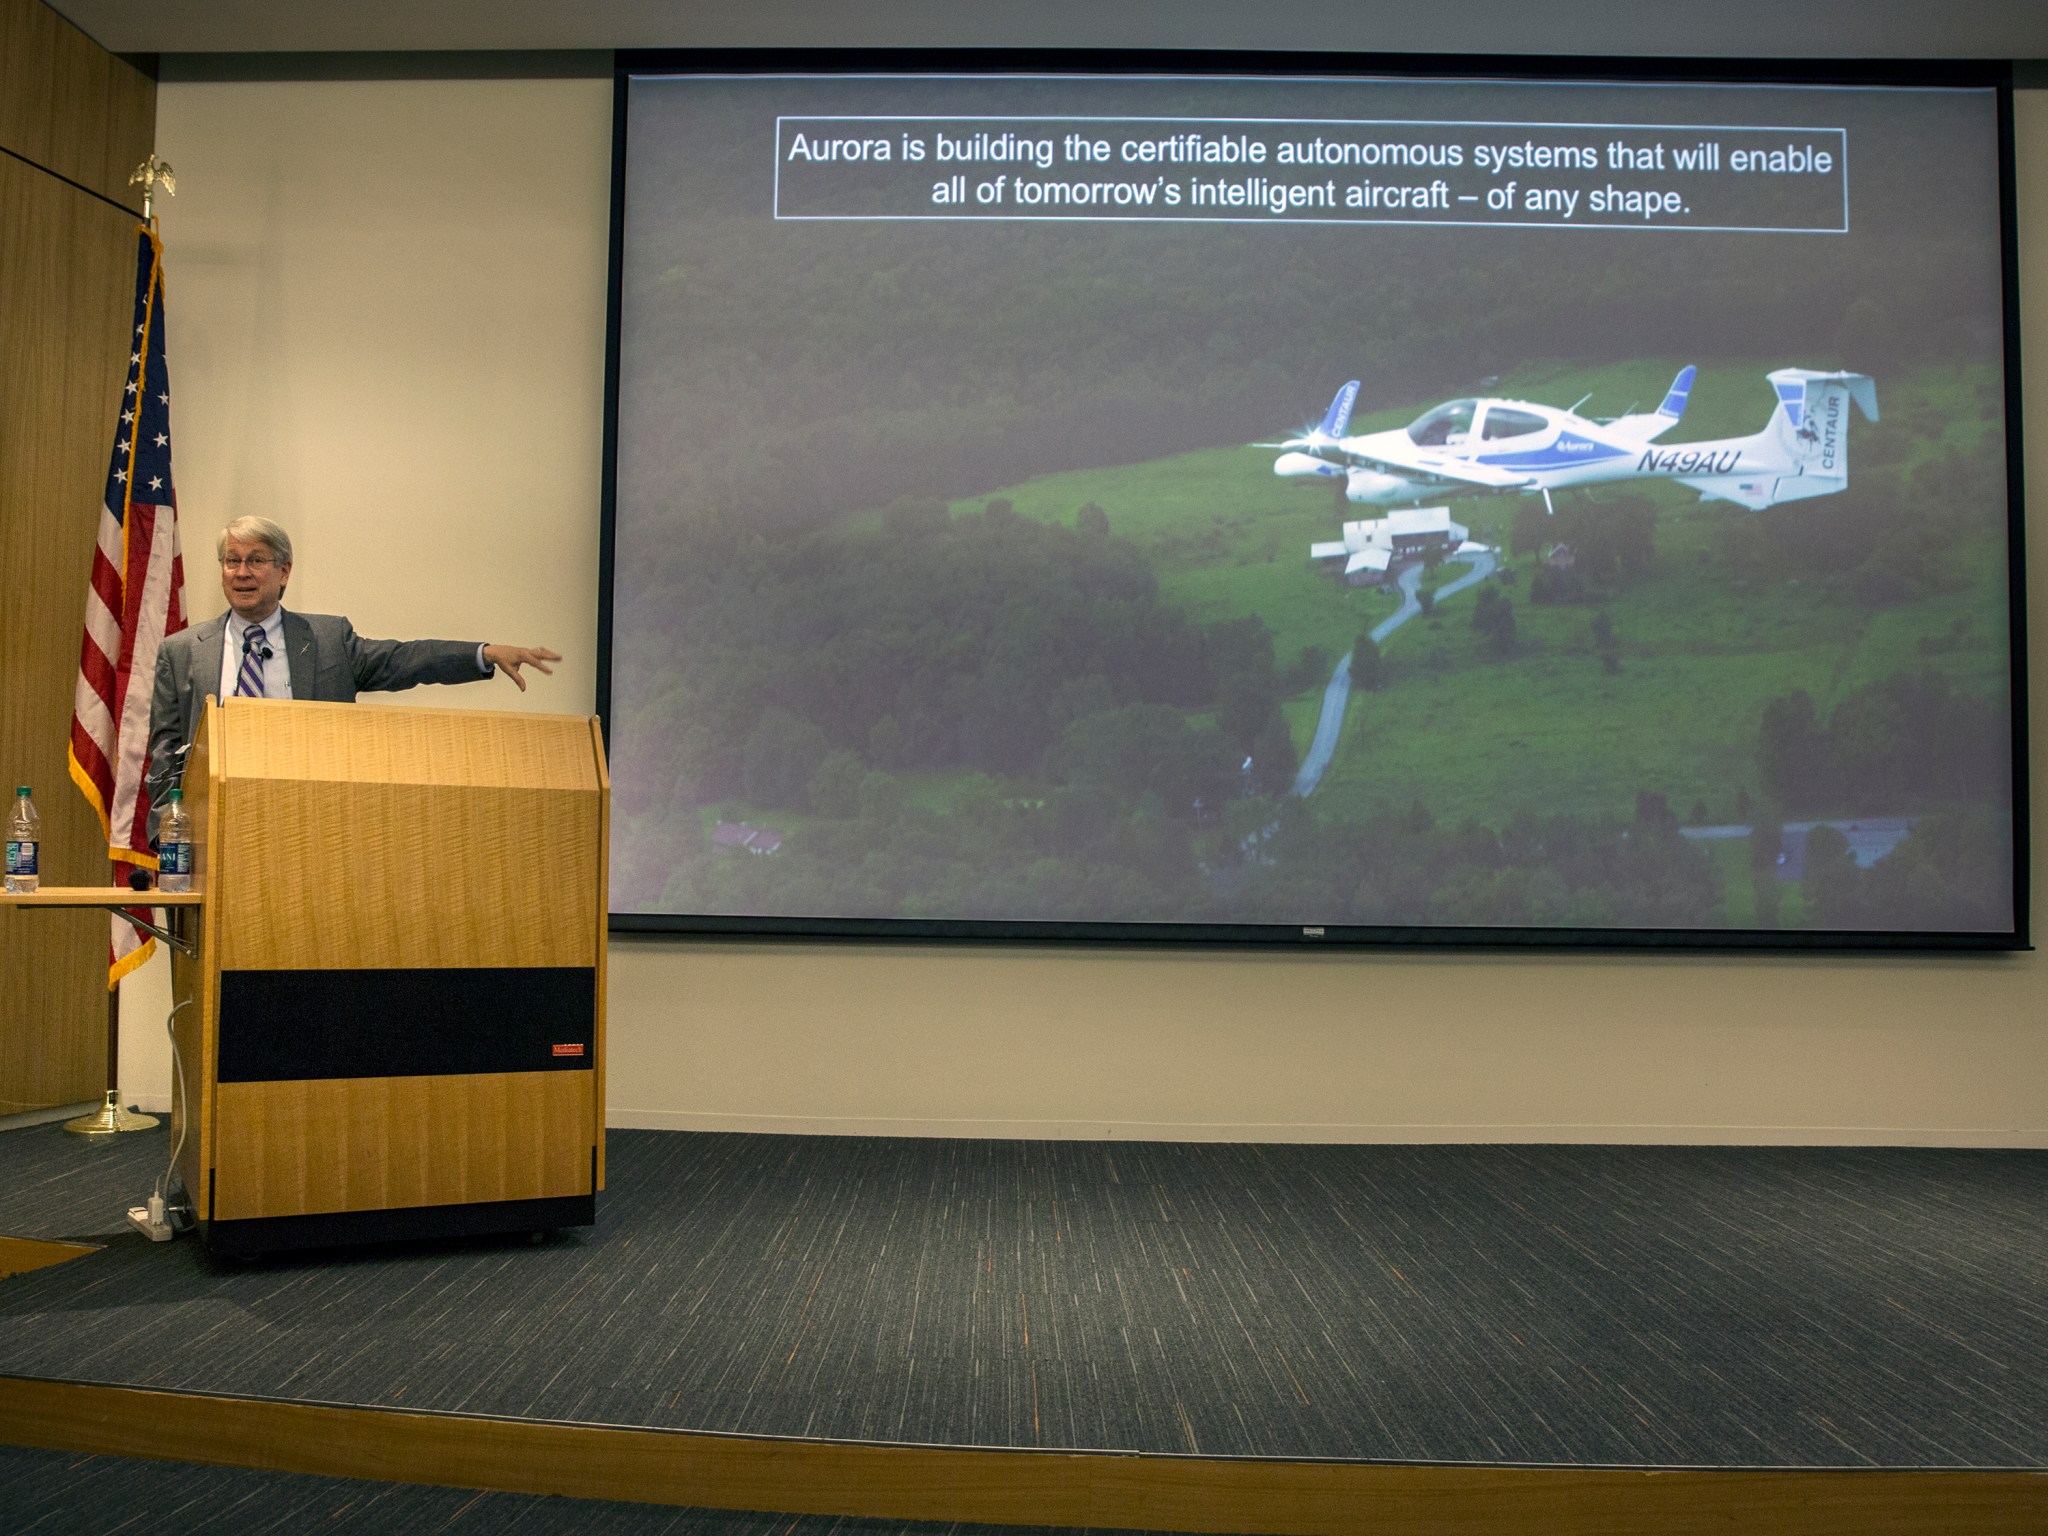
<point>1999,29</point>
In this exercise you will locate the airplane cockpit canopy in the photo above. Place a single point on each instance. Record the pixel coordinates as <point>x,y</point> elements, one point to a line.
<point>1434,428</point>
<point>1506,421</point>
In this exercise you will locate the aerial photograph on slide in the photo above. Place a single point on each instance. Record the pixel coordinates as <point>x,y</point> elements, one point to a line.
<point>1390,505</point>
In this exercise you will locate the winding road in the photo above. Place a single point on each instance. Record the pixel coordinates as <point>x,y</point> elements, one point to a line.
<point>1338,693</point>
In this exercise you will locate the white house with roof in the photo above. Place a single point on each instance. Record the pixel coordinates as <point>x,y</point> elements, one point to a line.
<point>1375,548</point>
<point>737,834</point>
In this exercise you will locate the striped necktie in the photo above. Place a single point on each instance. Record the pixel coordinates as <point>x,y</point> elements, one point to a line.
<point>250,683</point>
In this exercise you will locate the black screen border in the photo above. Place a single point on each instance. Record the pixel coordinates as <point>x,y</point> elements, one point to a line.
<point>1982,74</point>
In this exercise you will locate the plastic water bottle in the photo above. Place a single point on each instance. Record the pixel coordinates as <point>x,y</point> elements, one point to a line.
<point>174,845</point>
<point>24,844</point>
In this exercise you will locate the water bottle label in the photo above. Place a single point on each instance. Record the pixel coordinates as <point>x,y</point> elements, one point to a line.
<point>174,859</point>
<point>21,857</point>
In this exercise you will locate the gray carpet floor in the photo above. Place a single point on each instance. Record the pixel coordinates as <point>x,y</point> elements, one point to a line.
<point>1643,1306</point>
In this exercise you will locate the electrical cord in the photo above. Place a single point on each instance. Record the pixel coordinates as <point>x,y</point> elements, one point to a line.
<point>158,1208</point>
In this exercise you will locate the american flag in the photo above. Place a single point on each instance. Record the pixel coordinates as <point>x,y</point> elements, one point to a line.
<point>136,597</point>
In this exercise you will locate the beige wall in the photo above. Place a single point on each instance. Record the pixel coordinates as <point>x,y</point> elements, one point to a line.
<point>387,328</point>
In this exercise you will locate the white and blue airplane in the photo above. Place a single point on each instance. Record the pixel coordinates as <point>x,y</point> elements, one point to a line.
<point>1479,446</point>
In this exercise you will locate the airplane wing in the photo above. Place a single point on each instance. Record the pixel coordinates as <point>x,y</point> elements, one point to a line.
<point>1424,466</point>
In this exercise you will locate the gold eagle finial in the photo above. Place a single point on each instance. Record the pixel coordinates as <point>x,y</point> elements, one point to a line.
<point>150,175</point>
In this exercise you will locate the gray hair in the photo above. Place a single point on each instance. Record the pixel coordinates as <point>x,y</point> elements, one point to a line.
<point>257,530</point>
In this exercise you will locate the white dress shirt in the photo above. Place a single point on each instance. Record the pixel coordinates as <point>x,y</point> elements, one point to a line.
<point>277,671</point>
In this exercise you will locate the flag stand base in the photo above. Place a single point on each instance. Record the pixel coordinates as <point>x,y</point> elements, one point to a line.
<point>110,1119</point>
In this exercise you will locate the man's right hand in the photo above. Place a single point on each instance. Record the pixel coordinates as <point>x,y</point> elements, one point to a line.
<point>508,659</point>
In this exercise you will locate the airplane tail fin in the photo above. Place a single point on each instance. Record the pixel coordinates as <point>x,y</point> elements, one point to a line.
<point>1652,424</point>
<point>1803,449</point>
<point>1338,416</point>
<point>1309,465</point>
<point>1675,397</point>
<point>1811,422</point>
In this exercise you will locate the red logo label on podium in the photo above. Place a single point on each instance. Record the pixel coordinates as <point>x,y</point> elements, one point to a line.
<point>569,1050</point>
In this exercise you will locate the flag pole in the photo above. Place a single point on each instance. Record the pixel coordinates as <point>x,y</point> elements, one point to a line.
<point>146,176</point>
<point>112,1117</point>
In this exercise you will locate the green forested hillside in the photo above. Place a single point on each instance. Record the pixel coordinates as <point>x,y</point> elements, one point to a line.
<point>1038,703</point>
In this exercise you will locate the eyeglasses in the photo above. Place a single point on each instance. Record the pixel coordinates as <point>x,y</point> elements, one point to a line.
<point>246,562</point>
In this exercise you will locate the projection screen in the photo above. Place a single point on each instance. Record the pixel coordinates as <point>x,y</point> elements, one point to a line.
<point>1418,508</point>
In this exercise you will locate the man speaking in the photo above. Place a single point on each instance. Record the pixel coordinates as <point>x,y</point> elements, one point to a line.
<point>259,649</point>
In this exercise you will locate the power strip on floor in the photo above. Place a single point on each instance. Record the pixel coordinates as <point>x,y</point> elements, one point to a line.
<point>152,1220</point>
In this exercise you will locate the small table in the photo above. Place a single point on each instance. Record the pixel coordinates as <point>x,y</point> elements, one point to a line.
<point>111,1117</point>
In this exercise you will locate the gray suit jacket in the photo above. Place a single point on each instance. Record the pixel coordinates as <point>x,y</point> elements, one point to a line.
<point>328,660</point>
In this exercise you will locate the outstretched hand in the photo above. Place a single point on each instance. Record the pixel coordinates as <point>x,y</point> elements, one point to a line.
<point>508,659</point>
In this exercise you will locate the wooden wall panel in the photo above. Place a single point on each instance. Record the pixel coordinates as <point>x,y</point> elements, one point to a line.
<point>66,288</point>
<point>69,106</point>
<point>384,1143</point>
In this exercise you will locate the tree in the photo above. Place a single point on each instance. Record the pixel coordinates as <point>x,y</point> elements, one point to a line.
<point>1952,871</point>
<point>1632,535</point>
<point>1900,567</point>
<point>657,846</point>
<point>1246,821</point>
<point>1244,704</point>
<point>1605,645</point>
<point>1143,748</point>
<point>1767,891</point>
<point>1274,760</point>
<point>885,742</point>
<point>1654,813</point>
<point>1613,540</point>
<point>1766,854</point>
<point>1368,668</point>
<point>881,798</point>
<point>1494,617</point>
<point>1557,584</point>
<point>1092,522</point>
<point>1831,880</point>
<point>1910,737</point>
<point>835,787</point>
<point>1082,815</point>
<point>1660,879</point>
<point>1531,530</point>
<point>782,753</point>
<point>1484,609</point>
<point>1078,696</point>
<point>1311,667</point>
<point>1002,722</point>
<point>1502,635</point>
<point>1241,646</point>
<point>1792,751</point>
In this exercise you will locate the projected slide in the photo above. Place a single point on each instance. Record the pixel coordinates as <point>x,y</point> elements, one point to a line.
<point>1370,508</point>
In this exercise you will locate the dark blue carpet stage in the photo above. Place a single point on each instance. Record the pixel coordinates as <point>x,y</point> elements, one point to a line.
<point>1475,1306</point>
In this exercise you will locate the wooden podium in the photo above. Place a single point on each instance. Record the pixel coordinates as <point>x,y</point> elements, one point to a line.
<point>396,1025</point>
